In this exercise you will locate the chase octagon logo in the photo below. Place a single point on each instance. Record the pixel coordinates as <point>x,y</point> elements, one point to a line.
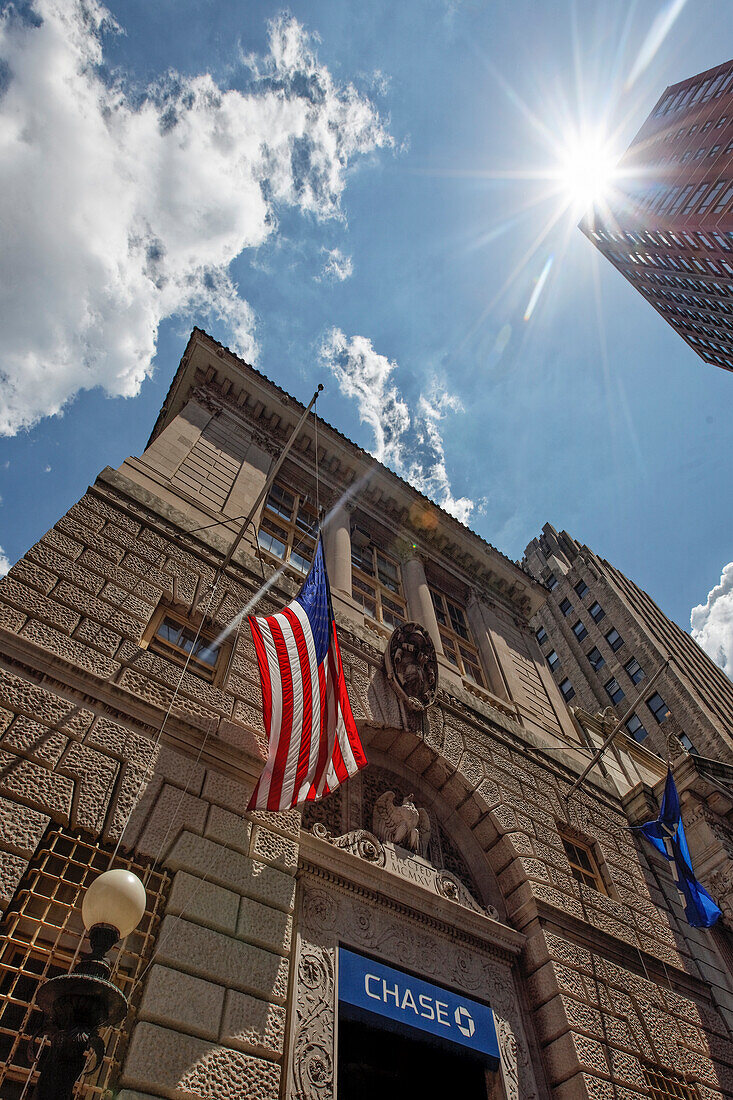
<point>464,1021</point>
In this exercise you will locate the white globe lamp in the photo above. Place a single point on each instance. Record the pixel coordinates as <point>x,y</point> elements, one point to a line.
<point>116,898</point>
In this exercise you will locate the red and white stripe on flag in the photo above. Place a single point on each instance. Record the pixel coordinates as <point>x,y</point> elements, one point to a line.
<point>313,742</point>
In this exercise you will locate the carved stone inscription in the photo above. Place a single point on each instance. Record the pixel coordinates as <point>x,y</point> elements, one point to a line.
<point>329,916</point>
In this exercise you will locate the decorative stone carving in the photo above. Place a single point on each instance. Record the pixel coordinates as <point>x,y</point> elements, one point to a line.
<point>331,916</point>
<point>412,666</point>
<point>359,842</point>
<point>405,825</point>
<point>415,868</point>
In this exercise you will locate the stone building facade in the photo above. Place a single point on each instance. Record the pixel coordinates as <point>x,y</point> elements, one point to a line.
<point>127,740</point>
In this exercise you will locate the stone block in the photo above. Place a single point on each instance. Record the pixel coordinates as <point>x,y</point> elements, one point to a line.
<point>95,774</point>
<point>182,1002</point>
<point>101,637</point>
<point>45,608</point>
<point>12,869</point>
<point>179,1067</point>
<point>11,619</point>
<point>35,575</point>
<point>174,811</point>
<point>228,829</point>
<point>25,697</point>
<point>205,903</point>
<point>36,786</point>
<point>286,822</point>
<point>566,1055</point>
<point>221,959</point>
<point>274,849</point>
<point>233,870</point>
<point>21,827</point>
<point>52,561</point>
<point>34,740</point>
<point>243,739</point>
<point>252,1025</point>
<point>70,650</point>
<point>226,792</point>
<point>264,926</point>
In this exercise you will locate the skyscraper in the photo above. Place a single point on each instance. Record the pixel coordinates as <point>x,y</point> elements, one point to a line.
<point>668,225</point>
<point>605,640</point>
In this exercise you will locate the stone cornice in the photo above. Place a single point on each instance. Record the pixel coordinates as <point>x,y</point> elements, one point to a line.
<point>262,405</point>
<point>321,860</point>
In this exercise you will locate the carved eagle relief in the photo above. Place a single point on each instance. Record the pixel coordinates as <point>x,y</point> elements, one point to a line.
<point>405,825</point>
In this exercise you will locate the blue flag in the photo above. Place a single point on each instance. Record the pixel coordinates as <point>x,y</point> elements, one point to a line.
<point>700,909</point>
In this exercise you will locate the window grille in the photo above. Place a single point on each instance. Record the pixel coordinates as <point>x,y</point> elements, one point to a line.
<point>665,1085</point>
<point>42,935</point>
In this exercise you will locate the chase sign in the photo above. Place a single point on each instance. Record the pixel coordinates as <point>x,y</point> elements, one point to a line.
<point>410,1002</point>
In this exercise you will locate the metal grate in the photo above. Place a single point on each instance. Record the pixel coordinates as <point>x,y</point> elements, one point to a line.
<point>42,935</point>
<point>665,1085</point>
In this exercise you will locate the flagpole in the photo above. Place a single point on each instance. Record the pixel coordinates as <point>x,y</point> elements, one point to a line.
<point>268,484</point>
<point>615,730</point>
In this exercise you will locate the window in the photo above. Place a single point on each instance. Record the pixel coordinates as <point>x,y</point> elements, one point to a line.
<point>614,639</point>
<point>376,583</point>
<point>583,863</point>
<point>635,728</point>
<point>172,636</point>
<point>596,612</point>
<point>665,1085</point>
<point>614,690</point>
<point>553,660</point>
<point>687,744</point>
<point>724,198</point>
<point>565,606</point>
<point>658,707</point>
<point>551,581</point>
<point>567,689</point>
<point>579,631</point>
<point>596,658</point>
<point>40,931</point>
<point>541,635</point>
<point>458,644</point>
<point>581,588</point>
<point>288,528</point>
<point>634,671</point>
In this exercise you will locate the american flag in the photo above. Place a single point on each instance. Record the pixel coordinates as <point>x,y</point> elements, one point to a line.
<point>313,741</point>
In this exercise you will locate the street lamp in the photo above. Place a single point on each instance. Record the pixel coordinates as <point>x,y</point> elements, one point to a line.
<point>76,1005</point>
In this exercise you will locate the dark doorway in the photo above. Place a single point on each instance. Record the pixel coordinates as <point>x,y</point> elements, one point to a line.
<point>376,1064</point>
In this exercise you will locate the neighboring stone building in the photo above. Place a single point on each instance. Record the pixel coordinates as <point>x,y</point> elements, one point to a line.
<point>501,892</point>
<point>604,639</point>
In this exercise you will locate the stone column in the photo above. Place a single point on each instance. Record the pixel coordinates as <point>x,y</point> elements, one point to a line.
<point>495,680</point>
<point>337,544</point>
<point>419,603</point>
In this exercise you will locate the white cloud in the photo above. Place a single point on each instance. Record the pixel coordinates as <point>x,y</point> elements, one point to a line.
<point>712,622</point>
<point>337,267</point>
<point>412,446</point>
<point>4,562</point>
<point>122,209</point>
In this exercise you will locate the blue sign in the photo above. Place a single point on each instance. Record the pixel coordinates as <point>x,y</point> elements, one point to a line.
<point>410,1002</point>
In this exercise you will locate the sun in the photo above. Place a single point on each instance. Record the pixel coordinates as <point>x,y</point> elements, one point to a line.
<point>586,170</point>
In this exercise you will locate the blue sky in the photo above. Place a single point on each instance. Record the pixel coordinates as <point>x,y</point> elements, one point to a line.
<point>358,194</point>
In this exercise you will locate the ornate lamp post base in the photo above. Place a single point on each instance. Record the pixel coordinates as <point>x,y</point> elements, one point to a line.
<point>74,1007</point>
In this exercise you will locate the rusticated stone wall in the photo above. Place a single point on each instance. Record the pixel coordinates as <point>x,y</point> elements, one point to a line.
<point>605,982</point>
<point>81,706</point>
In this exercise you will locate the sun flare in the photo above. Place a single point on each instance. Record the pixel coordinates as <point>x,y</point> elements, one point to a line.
<point>586,170</point>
